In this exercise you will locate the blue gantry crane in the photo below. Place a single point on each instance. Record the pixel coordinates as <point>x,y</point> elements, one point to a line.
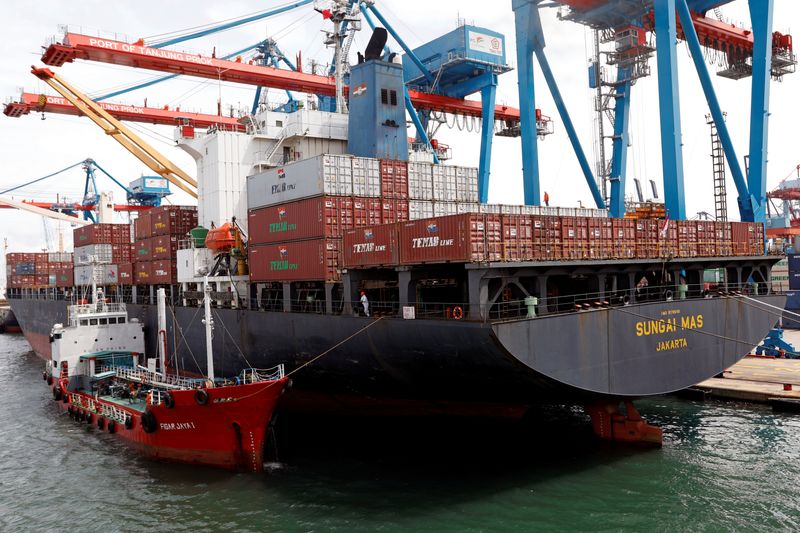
<point>762,54</point>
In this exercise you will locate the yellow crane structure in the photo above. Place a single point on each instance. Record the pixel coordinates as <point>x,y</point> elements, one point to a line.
<point>148,155</point>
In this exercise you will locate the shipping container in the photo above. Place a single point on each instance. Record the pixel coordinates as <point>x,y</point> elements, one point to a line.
<point>393,210</point>
<point>93,234</point>
<point>59,257</point>
<point>794,282</point>
<point>624,232</point>
<point>793,262</point>
<point>575,238</point>
<point>646,238</point>
<point>163,272</point>
<point>371,247</point>
<point>142,250</point>
<point>330,175</point>
<point>142,226</point>
<point>164,247</point>
<point>394,179</point>
<point>65,277</point>
<point>706,238</point>
<point>366,177</point>
<point>142,273</point>
<point>667,239</point>
<point>687,238</point>
<point>547,239</point>
<point>420,209</point>
<point>126,274</point>
<point>120,233</point>
<point>466,184</point>
<point>457,239</point>
<point>724,239</point>
<point>310,260</point>
<point>420,181</point>
<point>100,254</point>
<point>601,240</point>
<point>24,268</point>
<point>42,280</point>
<point>172,220</point>
<point>517,238</point>
<point>444,183</point>
<point>99,274</point>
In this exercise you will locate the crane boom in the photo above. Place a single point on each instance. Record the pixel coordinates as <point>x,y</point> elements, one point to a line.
<point>121,133</point>
<point>24,206</point>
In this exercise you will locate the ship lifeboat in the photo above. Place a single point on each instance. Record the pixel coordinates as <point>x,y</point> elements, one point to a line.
<point>221,239</point>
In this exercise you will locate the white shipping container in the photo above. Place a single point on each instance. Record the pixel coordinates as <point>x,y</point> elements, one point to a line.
<point>418,209</point>
<point>100,254</point>
<point>100,274</point>
<point>444,183</point>
<point>468,207</point>
<point>443,209</point>
<point>511,209</point>
<point>420,181</point>
<point>317,176</point>
<point>366,177</point>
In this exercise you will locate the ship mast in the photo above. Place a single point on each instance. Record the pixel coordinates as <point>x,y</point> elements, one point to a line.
<point>209,322</point>
<point>162,330</point>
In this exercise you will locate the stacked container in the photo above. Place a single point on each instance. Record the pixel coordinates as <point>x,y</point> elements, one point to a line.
<point>153,255</point>
<point>99,250</point>
<point>35,270</point>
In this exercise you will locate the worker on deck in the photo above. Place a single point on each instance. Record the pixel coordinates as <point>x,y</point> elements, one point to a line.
<point>365,303</point>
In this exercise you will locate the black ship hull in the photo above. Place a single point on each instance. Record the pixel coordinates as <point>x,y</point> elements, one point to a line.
<point>359,365</point>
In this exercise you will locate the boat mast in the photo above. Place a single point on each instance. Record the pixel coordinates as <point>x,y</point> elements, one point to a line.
<point>162,329</point>
<point>209,322</point>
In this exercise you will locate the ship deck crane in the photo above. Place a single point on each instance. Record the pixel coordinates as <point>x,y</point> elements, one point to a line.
<point>121,133</point>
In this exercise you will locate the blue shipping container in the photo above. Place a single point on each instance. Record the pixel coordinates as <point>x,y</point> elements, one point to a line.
<point>794,262</point>
<point>25,269</point>
<point>793,300</point>
<point>794,281</point>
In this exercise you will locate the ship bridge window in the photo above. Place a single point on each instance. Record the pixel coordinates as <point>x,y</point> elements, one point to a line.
<point>103,321</point>
<point>393,97</point>
<point>92,321</point>
<point>112,320</point>
<point>121,320</point>
<point>384,97</point>
<point>84,322</point>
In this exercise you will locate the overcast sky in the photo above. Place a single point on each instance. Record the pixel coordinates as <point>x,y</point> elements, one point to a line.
<point>31,147</point>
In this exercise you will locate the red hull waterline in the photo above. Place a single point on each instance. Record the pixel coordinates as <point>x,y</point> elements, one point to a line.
<point>227,431</point>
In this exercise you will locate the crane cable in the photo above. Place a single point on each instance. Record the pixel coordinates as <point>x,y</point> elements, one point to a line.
<point>42,178</point>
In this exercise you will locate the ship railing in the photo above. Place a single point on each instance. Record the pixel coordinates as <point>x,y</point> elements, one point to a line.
<point>155,379</point>
<point>257,375</point>
<point>99,307</point>
<point>99,408</point>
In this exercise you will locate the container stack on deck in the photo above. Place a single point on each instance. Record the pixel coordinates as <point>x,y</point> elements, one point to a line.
<point>100,249</point>
<point>39,270</point>
<point>310,219</point>
<point>157,233</point>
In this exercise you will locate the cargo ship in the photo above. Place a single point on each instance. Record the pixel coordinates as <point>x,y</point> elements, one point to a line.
<point>474,309</point>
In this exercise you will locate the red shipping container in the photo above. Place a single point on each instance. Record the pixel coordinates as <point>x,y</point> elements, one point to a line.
<point>371,247</point>
<point>394,179</point>
<point>42,280</point>
<point>601,242</point>
<point>164,247</point>
<point>93,234</point>
<point>142,226</point>
<point>142,251</point>
<point>120,253</point>
<point>706,238</point>
<point>121,234</point>
<point>65,277</point>
<point>723,237</point>
<point>575,237</point>
<point>458,239</point>
<point>546,237</point>
<point>517,238</point>
<point>141,273</point>
<point>311,260</point>
<point>624,235</point>
<point>163,272</point>
<point>687,238</point>
<point>394,211</point>
<point>125,272</point>
<point>646,238</point>
<point>173,220</point>
<point>667,238</point>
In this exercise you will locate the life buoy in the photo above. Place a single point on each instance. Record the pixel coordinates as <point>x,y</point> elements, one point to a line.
<point>201,396</point>
<point>112,426</point>
<point>458,313</point>
<point>668,295</point>
<point>149,424</point>
<point>129,422</point>
<point>168,400</point>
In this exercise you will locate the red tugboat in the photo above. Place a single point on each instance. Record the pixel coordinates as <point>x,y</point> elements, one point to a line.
<point>96,376</point>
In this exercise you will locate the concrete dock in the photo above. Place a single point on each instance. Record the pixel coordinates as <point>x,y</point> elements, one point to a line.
<point>758,379</point>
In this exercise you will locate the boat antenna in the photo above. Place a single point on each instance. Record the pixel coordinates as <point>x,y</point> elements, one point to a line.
<point>209,322</point>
